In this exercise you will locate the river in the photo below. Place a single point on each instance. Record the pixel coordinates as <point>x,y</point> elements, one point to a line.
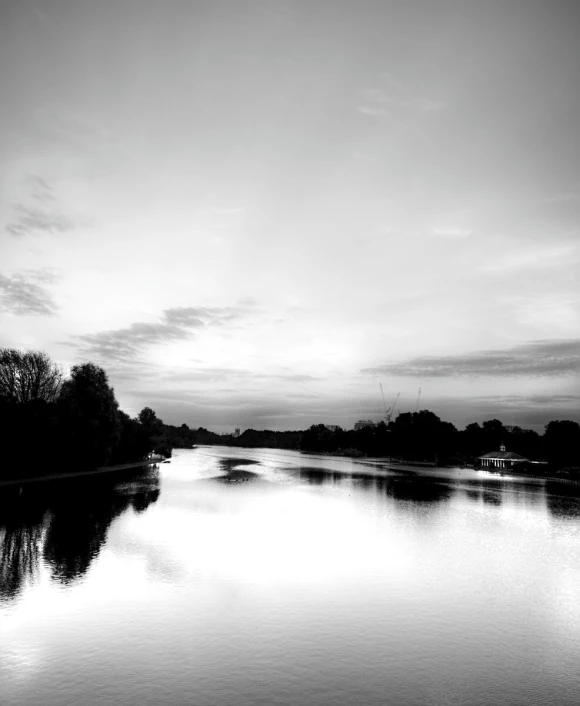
<point>307,580</point>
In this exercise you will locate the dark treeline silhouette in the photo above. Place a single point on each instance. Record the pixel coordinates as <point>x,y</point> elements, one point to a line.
<point>64,524</point>
<point>184,437</point>
<point>54,423</point>
<point>423,437</point>
<point>412,436</point>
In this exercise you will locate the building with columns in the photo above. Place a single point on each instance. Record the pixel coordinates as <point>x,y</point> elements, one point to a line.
<point>501,459</point>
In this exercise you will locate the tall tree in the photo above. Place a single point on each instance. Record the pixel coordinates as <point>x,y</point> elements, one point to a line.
<point>562,442</point>
<point>89,411</point>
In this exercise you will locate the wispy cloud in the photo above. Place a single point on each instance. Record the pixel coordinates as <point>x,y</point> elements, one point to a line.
<point>204,316</point>
<point>393,99</point>
<point>529,259</point>
<point>40,213</point>
<point>372,110</point>
<point>538,358</point>
<point>212,374</point>
<point>531,401</point>
<point>452,232</point>
<point>175,324</point>
<point>24,293</point>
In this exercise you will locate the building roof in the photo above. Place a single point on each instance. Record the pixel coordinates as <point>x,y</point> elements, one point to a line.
<point>504,456</point>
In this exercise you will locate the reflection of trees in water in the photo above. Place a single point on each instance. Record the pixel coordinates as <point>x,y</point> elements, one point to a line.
<point>419,489</point>
<point>563,500</point>
<point>20,544</point>
<point>491,497</point>
<point>229,464</point>
<point>409,488</point>
<point>490,492</point>
<point>496,491</point>
<point>320,476</point>
<point>65,524</point>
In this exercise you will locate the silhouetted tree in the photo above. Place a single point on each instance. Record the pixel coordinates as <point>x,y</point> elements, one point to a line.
<point>154,431</point>
<point>134,442</point>
<point>28,376</point>
<point>89,413</point>
<point>562,443</point>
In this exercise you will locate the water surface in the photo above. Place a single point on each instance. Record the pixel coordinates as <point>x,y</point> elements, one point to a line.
<point>234,576</point>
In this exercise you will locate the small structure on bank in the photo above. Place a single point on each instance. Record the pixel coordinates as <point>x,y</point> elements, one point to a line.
<point>501,459</point>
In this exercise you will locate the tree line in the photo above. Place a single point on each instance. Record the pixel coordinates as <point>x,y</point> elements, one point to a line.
<point>423,436</point>
<point>54,422</point>
<point>412,436</point>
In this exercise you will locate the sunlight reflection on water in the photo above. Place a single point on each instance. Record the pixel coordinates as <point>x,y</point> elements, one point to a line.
<point>321,579</point>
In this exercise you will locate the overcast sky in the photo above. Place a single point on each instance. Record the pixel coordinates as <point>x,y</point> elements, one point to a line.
<point>252,212</point>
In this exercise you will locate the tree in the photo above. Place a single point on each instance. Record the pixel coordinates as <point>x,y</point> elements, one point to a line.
<point>29,385</point>
<point>134,443</point>
<point>562,442</point>
<point>154,431</point>
<point>90,415</point>
<point>28,377</point>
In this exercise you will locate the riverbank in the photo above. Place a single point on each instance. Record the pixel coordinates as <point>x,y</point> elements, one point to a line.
<point>96,471</point>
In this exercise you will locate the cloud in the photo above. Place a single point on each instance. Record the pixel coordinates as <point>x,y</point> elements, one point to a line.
<point>229,210</point>
<point>31,221</point>
<point>130,341</point>
<point>213,374</point>
<point>539,258</point>
<point>34,219</point>
<point>23,294</point>
<point>45,275</point>
<point>434,106</point>
<point>372,110</point>
<point>377,101</point>
<point>204,316</point>
<point>41,189</point>
<point>175,324</point>
<point>452,232</point>
<point>538,358</point>
<point>531,401</point>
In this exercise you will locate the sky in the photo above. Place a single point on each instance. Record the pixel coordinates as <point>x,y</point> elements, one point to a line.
<point>254,212</point>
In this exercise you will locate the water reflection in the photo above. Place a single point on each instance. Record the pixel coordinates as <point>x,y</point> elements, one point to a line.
<point>65,524</point>
<point>320,476</point>
<point>563,500</point>
<point>231,470</point>
<point>369,585</point>
<point>420,490</point>
<point>20,542</point>
<point>560,499</point>
<point>407,487</point>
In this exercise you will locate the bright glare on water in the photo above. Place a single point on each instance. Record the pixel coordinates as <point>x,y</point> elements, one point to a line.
<point>317,580</point>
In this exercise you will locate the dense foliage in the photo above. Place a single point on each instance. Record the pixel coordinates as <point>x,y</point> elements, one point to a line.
<point>184,437</point>
<point>52,423</point>
<point>418,437</point>
<point>423,437</point>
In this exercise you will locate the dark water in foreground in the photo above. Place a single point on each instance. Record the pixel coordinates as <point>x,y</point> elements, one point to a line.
<point>314,581</point>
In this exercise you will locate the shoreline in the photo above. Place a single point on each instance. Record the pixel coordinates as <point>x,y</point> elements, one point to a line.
<point>96,471</point>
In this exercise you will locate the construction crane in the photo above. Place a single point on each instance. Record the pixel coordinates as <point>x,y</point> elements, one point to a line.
<point>383,396</point>
<point>389,411</point>
<point>392,407</point>
<point>418,398</point>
